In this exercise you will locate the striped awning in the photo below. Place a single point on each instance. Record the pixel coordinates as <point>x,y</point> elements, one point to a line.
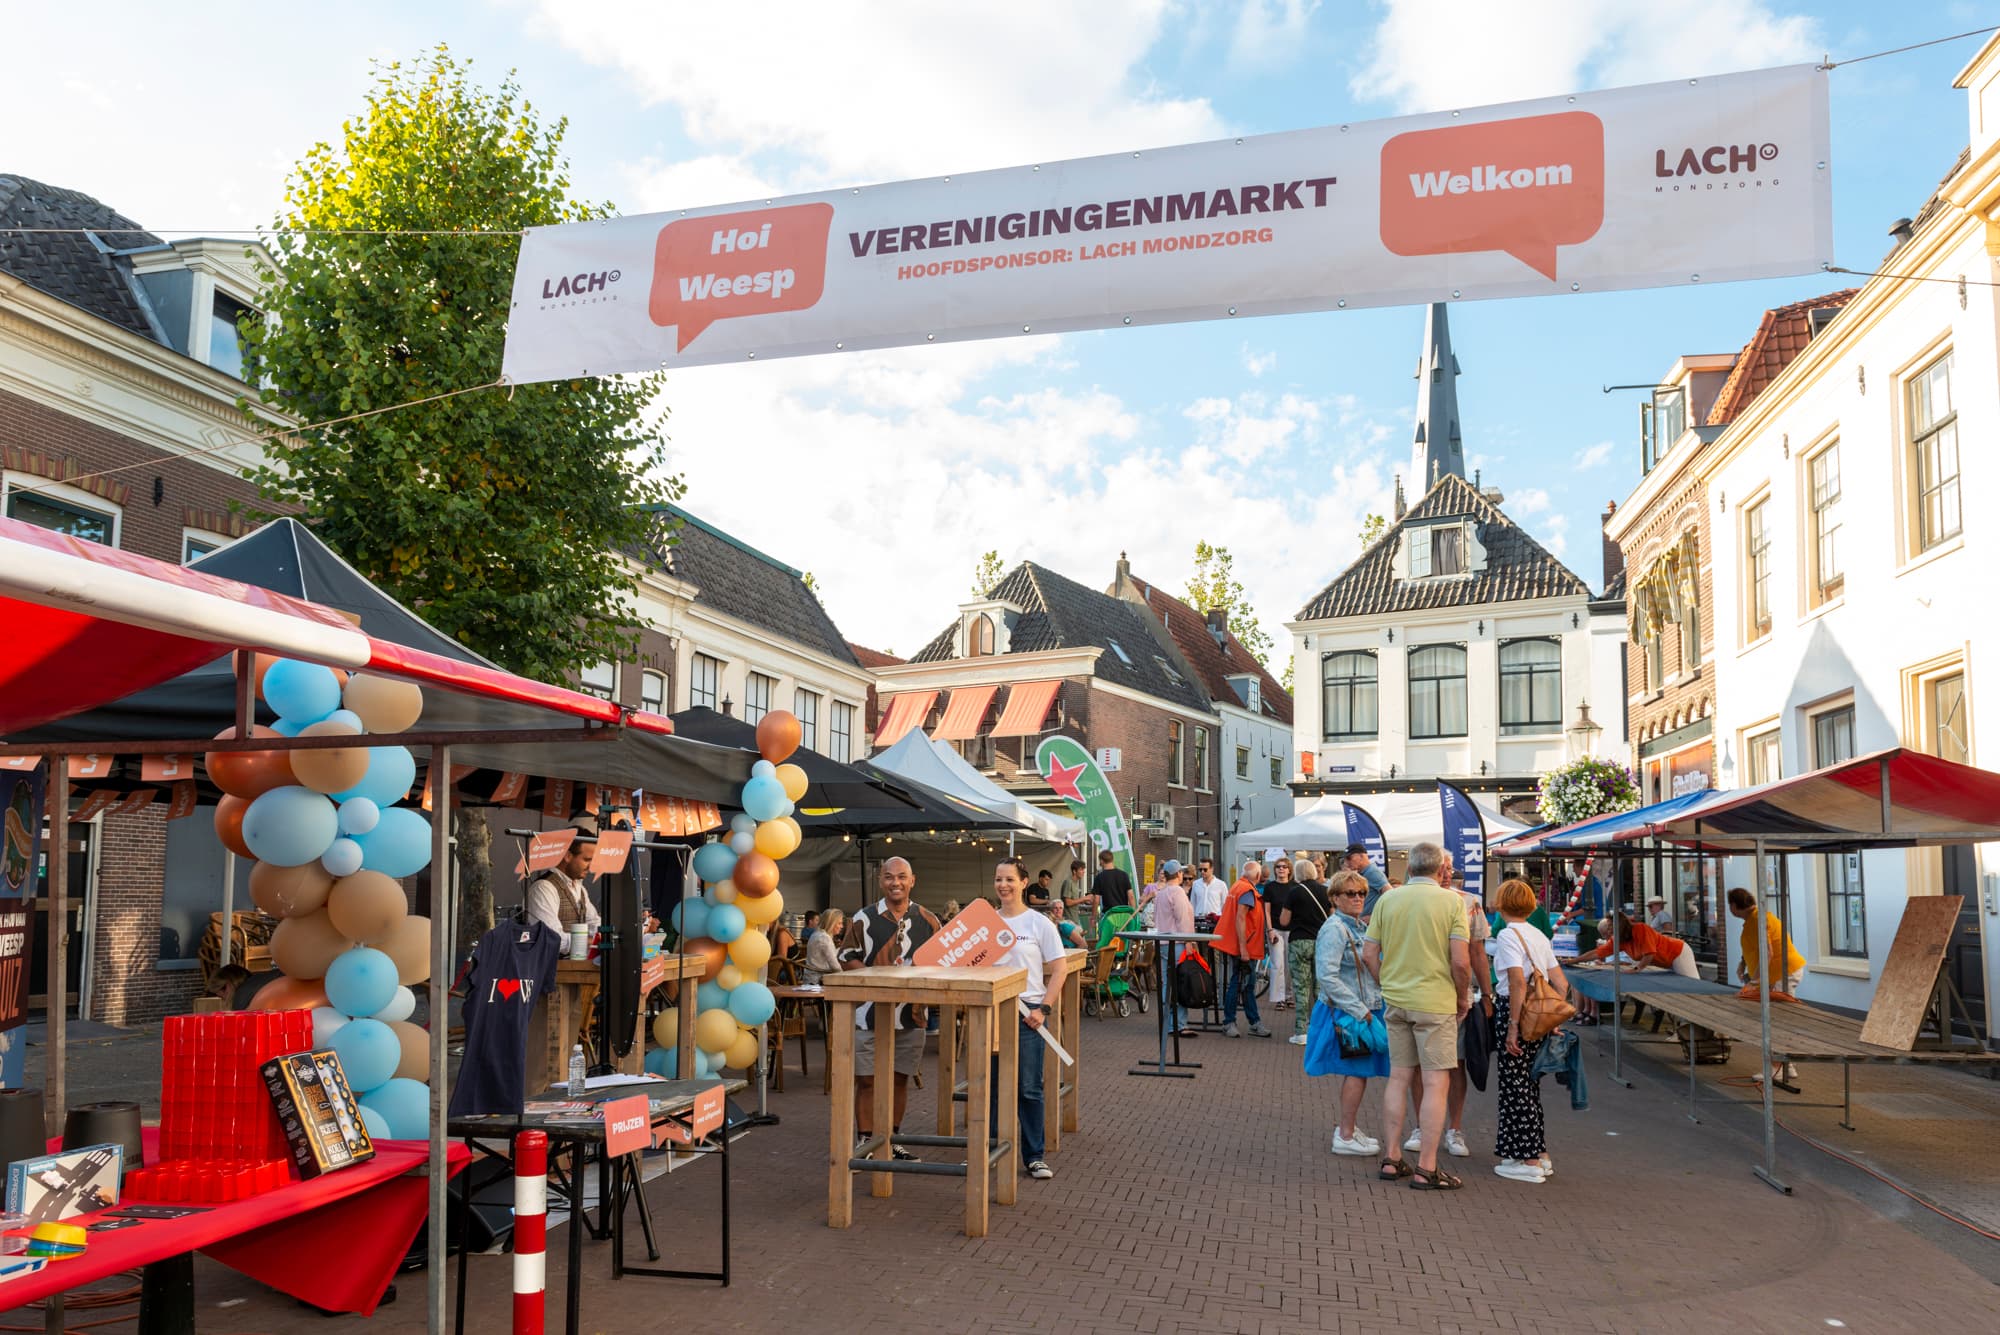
<point>1027,705</point>
<point>964,714</point>
<point>904,712</point>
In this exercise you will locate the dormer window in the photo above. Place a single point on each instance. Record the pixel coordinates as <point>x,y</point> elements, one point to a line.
<point>1661,423</point>
<point>979,637</point>
<point>1437,551</point>
<point>1119,649</point>
<point>1168,668</point>
<point>225,340</point>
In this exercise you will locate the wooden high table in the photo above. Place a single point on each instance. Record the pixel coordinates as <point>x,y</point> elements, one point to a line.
<point>1062,1090</point>
<point>988,998</point>
<point>557,1023</point>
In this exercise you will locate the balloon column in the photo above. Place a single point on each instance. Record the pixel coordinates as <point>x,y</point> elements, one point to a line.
<point>329,846</point>
<point>725,925</point>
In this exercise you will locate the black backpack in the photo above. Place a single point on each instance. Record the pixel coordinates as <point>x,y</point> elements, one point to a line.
<point>1194,986</point>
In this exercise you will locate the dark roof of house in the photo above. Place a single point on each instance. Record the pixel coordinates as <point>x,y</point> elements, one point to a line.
<point>1059,613</point>
<point>1215,655</point>
<point>735,579</point>
<point>1517,567</point>
<point>78,267</point>
<point>872,658</point>
<point>1781,336</point>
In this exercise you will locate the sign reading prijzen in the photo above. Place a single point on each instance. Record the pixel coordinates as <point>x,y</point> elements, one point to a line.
<point>978,935</point>
<point>628,1125</point>
<point>1696,181</point>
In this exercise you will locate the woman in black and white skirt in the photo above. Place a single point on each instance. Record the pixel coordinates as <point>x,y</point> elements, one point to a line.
<point>1520,949</point>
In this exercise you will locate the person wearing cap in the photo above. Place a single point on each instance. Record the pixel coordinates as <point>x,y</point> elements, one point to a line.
<point>1356,859</point>
<point>1659,918</point>
<point>556,895</point>
<point>1171,913</point>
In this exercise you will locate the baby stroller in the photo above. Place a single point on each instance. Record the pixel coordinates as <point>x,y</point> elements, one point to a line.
<point>1112,985</point>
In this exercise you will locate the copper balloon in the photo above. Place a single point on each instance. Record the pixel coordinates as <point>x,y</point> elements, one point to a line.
<point>416,1060</point>
<point>409,944</point>
<point>778,735</point>
<point>712,952</point>
<point>756,875</point>
<point>290,892</point>
<point>366,906</point>
<point>249,774</point>
<point>229,824</point>
<point>334,769</point>
<point>384,704</point>
<point>304,947</point>
<point>284,993</point>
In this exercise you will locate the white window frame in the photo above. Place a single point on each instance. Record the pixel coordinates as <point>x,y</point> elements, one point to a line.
<point>1770,735</point>
<point>1532,671</point>
<point>752,680</point>
<point>1821,588</point>
<point>1201,783</point>
<point>214,541</point>
<point>656,704</point>
<point>1243,762</point>
<point>1277,771</point>
<point>805,708</point>
<point>1938,428</point>
<point>1176,753</point>
<point>839,740</point>
<point>63,493</point>
<point>601,690</point>
<point>696,674</point>
<point>1756,525</point>
<point>1826,866</point>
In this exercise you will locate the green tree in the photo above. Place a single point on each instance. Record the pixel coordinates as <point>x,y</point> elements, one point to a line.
<point>986,575</point>
<point>1214,586</point>
<point>1286,680</point>
<point>1371,529</point>
<point>499,515</point>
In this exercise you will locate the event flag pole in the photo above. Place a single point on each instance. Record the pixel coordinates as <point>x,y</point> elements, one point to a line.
<point>1768,1170</point>
<point>443,933</point>
<point>57,1006</point>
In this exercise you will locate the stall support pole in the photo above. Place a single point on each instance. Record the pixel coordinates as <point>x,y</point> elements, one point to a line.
<point>442,935</point>
<point>1618,998</point>
<point>1768,1170</point>
<point>531,1231</point>
<point>228,904</point>
<point>246,709</point>
<point>57,799</point>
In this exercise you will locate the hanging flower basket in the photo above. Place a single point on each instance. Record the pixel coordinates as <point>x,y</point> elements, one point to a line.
<point>1584,789</point>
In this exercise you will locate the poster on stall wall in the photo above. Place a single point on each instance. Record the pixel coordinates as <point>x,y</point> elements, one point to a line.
<point>1697,181</point>
<point>1464,838</point>
<point>1073,773</point>
<point>20,868</point>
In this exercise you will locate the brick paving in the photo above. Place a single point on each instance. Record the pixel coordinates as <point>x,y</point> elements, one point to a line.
<point>1212,1205</point>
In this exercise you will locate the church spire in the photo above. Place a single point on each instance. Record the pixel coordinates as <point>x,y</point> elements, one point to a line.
<point>1438,449</point>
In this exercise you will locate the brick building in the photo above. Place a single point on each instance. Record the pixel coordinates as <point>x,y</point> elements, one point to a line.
<point>119,378</point>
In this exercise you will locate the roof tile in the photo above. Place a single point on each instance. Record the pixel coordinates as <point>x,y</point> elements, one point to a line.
<point>1216,660</point>
<point>73,266</point>
<point>737,580</point>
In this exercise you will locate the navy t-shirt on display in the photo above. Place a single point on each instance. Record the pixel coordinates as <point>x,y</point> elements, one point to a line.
<point>511,968</point>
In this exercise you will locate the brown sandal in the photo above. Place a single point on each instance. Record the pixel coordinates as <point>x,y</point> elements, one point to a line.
<point>1435,1179</point>
<point>1394,1170</point>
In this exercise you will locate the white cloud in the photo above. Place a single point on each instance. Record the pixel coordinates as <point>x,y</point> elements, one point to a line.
<point>1553,533</point>
<point>1268,33</point>
<point>1257,363</point>
<point>1594,456</point>
<point>1527,501</point>
<point>1538,48</point>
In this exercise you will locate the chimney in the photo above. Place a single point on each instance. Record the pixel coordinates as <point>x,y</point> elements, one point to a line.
<point>1218,623</point>
<point>1614,558</point>
<point>1900,231</point>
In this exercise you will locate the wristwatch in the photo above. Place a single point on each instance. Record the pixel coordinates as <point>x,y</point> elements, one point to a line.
<point>1046,1009</point>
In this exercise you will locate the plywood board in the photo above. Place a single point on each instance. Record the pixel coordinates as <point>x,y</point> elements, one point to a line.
<point>1910,974</point>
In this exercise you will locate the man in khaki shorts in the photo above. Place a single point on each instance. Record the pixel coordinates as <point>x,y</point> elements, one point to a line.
<point>1417,949</point>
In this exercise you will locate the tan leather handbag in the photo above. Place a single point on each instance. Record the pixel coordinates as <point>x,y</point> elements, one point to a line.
<point>1542,1008</point>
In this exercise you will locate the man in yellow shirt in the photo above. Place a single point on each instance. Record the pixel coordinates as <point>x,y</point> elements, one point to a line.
<point>1743,905</point>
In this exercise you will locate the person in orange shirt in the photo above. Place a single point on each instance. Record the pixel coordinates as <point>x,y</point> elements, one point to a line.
<point>1240,933</point>
<point>1647,946</point>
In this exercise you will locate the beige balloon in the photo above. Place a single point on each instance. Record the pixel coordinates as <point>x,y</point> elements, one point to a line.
<point>715,1029</point>
<point>415,1063</point>
<point>750,952</point>
<point>384,704</point>
<point>667,1028</point>
<point>409,944</point>
<point>289,892</point>
<point>741,1054</point>
<point>761,910</point>
<point>729,977</point>
<point>335,768</point>
<point>303,947</point>
<point>366,906</point>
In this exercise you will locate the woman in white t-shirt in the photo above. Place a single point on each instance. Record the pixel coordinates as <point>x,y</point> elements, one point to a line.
<point>1521,950</point>
<point>1038,949</point>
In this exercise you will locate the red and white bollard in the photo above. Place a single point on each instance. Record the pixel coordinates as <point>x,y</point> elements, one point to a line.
<point>531,1230</point>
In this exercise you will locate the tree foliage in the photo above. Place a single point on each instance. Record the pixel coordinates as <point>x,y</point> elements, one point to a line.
<point>986,575</point>
<point>499,515</point>
<point>1214,585</point>
<point>1372,527</point>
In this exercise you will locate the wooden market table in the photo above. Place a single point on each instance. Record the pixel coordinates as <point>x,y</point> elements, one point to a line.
<point>987,996</point>
<point>557,1023</point>
<point>1062,1088</point>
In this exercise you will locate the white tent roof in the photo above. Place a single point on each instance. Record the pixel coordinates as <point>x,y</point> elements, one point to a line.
<point>936,764</point>
<point>1406,818</point>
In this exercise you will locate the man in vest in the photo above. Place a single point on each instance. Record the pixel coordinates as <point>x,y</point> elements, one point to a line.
<point>1240,932</point>
<point>556,895</point>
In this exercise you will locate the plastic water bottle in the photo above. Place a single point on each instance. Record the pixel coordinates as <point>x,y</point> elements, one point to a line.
<point>576,1072</point>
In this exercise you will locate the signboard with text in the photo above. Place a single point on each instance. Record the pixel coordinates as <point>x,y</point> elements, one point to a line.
<point>628,1125</point>
<point>706,1118</point>
<point>977,935</point>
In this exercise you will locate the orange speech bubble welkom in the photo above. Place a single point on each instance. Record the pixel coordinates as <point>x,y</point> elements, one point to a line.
<point>731,264</point>
<point>1522,186</point>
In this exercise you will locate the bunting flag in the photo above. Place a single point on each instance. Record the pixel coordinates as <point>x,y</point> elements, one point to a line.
<point>1464,838</point>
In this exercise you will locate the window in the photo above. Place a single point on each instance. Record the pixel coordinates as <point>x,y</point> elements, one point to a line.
<point>601,680</point>
<point>757,692</point>
<point>1347,696</point>
<point>1204,851</point>
<point>44,509</point>
<point>1119,649</point>
<point>1184,850</point>
<point>1168,669</point>
<point>195,544</point>
<point>1661,422</point>
<point>1242,762</point>
<point>653,692</point>
<point>1437,691</point>
<point>1757,566</point>
<point>1176,768</point>
<point>1944,710</point>
<point>806,706</point>
<point>1201,759</point>
<point>1762,762</point>
<point>1823,484</point>
<point>1277,771</point>
<point>1530,686</point>
<point>225,341</point>
<point>1690,635</point>
<point>705,682</point>
<point>979,638</point>
<point>1934,441</point>
<point>1846,904</point>
<point>1656,663</point>
<point>840,732</point>
<point>1437,551</point>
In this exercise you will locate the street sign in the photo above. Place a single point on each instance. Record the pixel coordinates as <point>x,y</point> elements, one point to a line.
<point>1110,759</point>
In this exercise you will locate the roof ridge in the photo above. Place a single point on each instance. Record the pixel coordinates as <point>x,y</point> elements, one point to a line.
<point>729,538</point>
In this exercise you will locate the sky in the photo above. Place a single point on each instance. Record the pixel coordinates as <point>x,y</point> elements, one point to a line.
<point>887,474</point>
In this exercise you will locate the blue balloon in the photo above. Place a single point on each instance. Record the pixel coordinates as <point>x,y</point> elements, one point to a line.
<point>347,716</point>
<point>289,826</point>
<point>359,815</point>
<point>704,1065</point>
<point>690,917</point>
<point>399,846</point>
<point>725,923</point>
<point>749,1001</point>
<point>302,692</point>
<point>663,1061</point>
<point>742,824</point>
<point>402,1103</point>
<point>286,727</point>
<point>710,996</point>
<point>714,862</point>
<point>342,858</point>
<point>763,769</point>
<point>392,770</point>
<point>375,1123</point>
<point>764,798</point>
<point>369,1051</point>
<point>361,982</point>
<point>742,841</point>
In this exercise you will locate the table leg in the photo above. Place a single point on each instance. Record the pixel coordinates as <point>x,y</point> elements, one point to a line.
<point>686,1001</point>
<point>883,1037</point>
<point>166,1297</point>
<point>1052,1074</point>
<point>1072,1036</point>
<point>840,1072</point>
<point>978,1128</point>
<point>1007,1019</point>
<point>573,1314</point>
<point>947,1067</point>
<point>464,1240</point>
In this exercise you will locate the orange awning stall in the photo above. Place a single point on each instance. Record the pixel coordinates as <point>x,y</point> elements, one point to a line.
<point>1027,705</point>
<point>905,711</point>
<point>964,714</point>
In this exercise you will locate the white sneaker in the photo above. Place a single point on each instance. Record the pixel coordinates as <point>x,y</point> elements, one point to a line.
<point>1548,1169</point>
<point>1454,1144</point>
<point>1515,1170</point>
<point>1415,1142</point>
<point>1360,1145</point>
<point>1040,1170</point>
<point>1298,1040</point>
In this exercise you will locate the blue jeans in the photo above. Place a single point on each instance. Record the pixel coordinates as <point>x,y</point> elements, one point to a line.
<point>1243,979</point>
<point>1028,1076</point>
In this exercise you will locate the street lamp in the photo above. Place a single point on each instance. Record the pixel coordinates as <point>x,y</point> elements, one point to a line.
<point>1583,733</point>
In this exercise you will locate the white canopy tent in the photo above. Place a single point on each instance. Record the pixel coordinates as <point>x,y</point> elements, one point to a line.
<point>1405,818</point>
<point>937,765</point>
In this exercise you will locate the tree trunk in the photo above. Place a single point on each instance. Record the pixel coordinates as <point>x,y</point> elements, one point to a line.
<point>475,877</point>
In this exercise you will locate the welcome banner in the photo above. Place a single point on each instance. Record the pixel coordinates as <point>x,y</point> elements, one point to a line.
<point>1699,181</point>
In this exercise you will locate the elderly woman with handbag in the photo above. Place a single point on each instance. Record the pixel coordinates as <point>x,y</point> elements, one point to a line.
<point>1529,1003</point>
<point>1348,1037</point>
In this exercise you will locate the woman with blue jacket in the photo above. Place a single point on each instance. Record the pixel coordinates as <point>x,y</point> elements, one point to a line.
<point>1348,989</point>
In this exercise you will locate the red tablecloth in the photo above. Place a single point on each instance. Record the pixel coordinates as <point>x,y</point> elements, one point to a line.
<point>366,1215</point>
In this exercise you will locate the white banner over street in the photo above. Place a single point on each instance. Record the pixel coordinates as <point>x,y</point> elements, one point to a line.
<point>1701,181</point>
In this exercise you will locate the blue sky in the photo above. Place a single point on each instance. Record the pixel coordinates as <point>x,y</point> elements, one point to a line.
<point>887,474</point>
